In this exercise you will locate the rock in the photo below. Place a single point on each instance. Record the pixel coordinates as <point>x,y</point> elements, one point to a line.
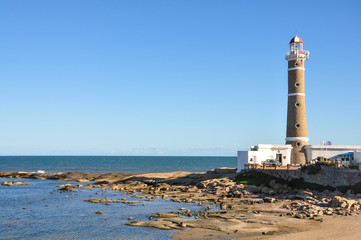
<point>182,209</point>
<point>223,206</point>
<point>130,218</point>
<point>240,185</point>
<point>192,189</point>
<point>160,224</point>
<point>337,193</point>
<point>254,189</point>
<point>300,216</point>
<point>265,190</point>
<point>64,185</point>
<point>165,215</point>
<point>201,185</point>
<point>222,170</point>
<point>67,188</point>
<point>99,212</point>
<point>341,202</point>
<point>237,194</point>
<point>272,183</point>
<point>14,183</point>
<point>269,200</point>
<point>83,180</point>
<point>106,200</point>
<point>271,192</point>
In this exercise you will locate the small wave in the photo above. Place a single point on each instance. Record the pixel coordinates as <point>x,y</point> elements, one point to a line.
<point>40,171</point>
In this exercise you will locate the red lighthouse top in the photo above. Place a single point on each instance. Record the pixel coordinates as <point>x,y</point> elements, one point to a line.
<point>296,39</point>
<point>296,49</point>
<point>296,45</point>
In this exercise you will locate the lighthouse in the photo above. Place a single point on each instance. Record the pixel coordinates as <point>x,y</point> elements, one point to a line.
<point>296,150</point>
<point>296,115</point>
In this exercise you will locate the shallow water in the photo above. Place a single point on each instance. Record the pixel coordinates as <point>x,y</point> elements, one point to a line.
<point>40,211</point>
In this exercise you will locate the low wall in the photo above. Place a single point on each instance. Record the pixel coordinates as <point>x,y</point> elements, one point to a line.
<point>328,176</point>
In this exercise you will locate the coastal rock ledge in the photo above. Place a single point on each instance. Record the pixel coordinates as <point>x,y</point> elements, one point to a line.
<point>13,183</point>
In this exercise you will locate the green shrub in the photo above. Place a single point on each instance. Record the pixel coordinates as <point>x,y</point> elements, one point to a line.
<point>301,184</point>
<point>356,188</point>
<point>327,162</point>
<point>312,168</point>
<point>353,166</point>
<point>256,178</point>
<point>259,178</point>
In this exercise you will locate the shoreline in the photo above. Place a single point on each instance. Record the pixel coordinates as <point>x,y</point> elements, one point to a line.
<point>247,212</point>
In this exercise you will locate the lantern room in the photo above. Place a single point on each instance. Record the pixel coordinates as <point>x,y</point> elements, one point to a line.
<point>296,45</point>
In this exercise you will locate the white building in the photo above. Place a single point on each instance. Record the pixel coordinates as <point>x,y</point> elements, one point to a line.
<point>344,153</point>
<point>281,154</point>
<point>262,153</point>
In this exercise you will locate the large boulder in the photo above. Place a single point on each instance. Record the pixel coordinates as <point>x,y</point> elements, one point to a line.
<point>341,202</point>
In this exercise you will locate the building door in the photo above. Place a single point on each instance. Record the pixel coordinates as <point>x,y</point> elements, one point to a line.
<point>279,158</point>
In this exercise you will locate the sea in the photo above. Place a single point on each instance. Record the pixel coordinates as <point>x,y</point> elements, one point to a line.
<point>40,211</point>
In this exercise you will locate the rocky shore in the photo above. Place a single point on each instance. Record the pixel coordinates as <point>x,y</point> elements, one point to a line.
<point>231,210</point>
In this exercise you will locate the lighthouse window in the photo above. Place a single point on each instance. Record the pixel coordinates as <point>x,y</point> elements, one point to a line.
<point>298,144</point>
<point>298,125</point>
<point>296,64</point>
<point>298,104</point>
<point>297,84</point>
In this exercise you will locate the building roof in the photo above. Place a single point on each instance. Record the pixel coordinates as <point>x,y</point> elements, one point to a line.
<point>346,154</point>
<point>296,39</point>
<point>274,146</point>
<point>334,147</point>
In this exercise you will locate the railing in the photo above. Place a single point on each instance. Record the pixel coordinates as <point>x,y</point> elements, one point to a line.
<point>294,52</point>
<point>250,166</point>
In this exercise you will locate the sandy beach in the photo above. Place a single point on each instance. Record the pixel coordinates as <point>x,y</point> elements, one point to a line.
<point>274,211</point>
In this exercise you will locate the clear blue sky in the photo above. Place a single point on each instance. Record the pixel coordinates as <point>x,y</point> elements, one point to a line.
<point>172,77</point>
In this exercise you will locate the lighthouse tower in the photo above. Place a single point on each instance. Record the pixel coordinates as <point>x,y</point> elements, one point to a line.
<point>296,114</point>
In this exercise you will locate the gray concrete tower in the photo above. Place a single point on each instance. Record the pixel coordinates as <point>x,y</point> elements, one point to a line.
<point>296,114</point>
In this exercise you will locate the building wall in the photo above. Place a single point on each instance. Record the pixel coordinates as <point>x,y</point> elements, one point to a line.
<point>357,157</point>
<point>242,159</point>
<point>331,152</point>
<point>263,153</point>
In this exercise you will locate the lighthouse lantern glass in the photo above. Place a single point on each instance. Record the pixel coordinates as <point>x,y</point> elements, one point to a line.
<point>296,48</point>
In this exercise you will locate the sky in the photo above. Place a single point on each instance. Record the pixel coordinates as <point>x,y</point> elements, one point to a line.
<point>190,77</point>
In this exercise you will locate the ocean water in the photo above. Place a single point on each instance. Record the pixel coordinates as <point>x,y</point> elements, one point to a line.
<point>40,211</point>
<point>124,164</point>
